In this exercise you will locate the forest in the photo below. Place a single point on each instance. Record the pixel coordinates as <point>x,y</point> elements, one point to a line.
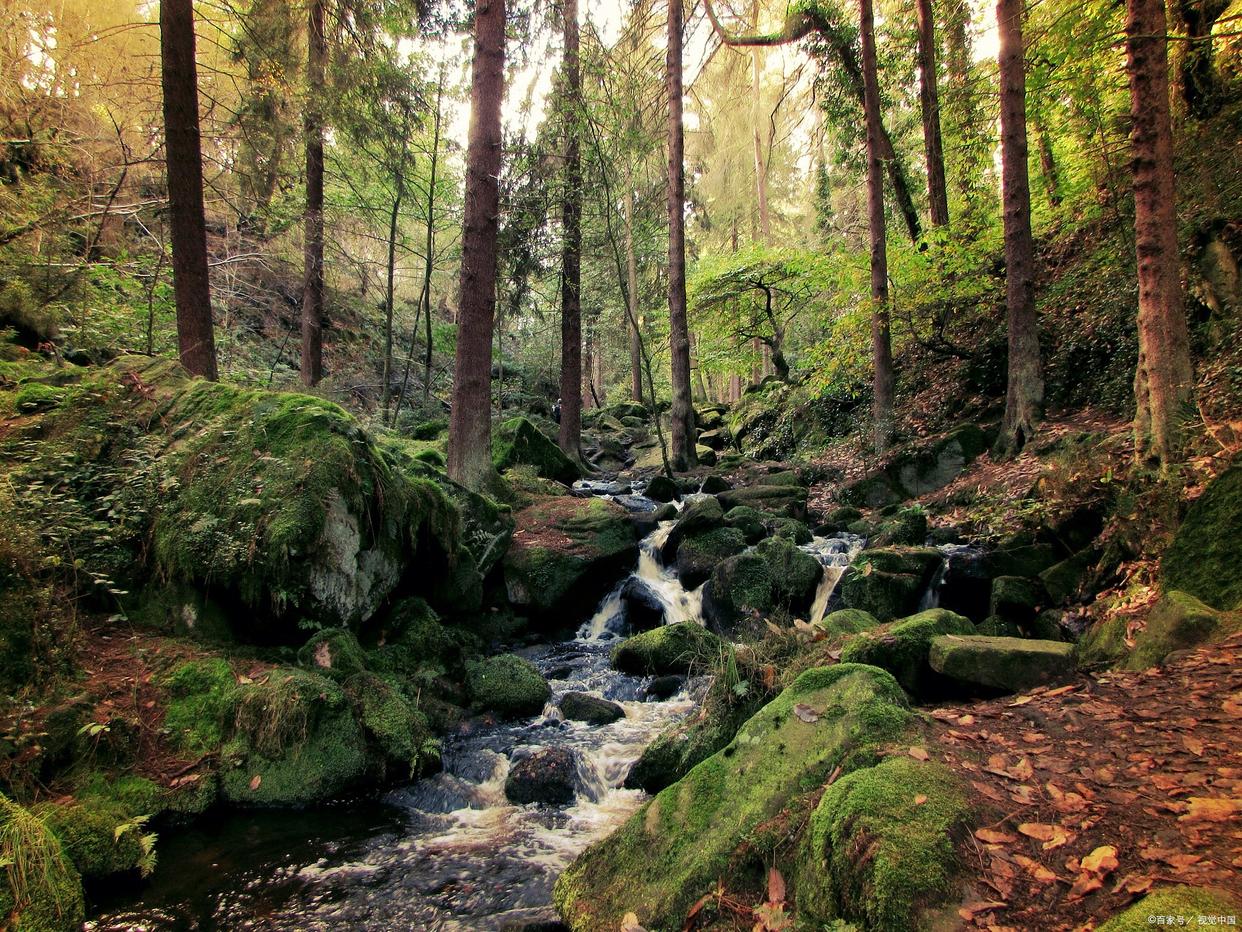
<point>632,466</point>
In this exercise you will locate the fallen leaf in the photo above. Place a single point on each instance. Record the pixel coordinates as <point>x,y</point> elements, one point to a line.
<point>1053,836</point>
<point>993,837</point>
<point>919,753</point>
<point>776,886</point>
<point>1103,860</point>
<point>1037,870</point>
<point>1193,745</point>
<point>806,713</point>
<point>970,910</point>
<point>1084,883</point>
<point>1211,809</point>
<point>920,799</point>
<point>255,781</point>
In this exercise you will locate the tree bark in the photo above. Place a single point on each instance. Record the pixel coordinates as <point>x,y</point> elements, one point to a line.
<point>683,453</point>
<point>756,115</point>
<point>470,426</point>
<point>390,290</point>
<point>1025,397</point>
<point>570,434</point>
<point>312,272</point>
<point>929,99</point>
<point>631,297</point>
<point>881,343</point>
<point>1163,384</point>
<point>183,148</point>
<point>1048,165</point>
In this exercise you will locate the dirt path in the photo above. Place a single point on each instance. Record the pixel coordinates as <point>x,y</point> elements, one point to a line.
<point>1100,790</point>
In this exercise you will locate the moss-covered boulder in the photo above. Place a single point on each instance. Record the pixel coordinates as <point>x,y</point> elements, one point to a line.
<point>1179,621</point>
<point>98,835</point>
<point>508,685</point>
<point>889,582</point>
<point>40,891</point>
<point>749,521</point>
<point>1182,906</point>
<point>680,748</point>
<point>1204,557</point>
<point>1016,598</point>
<point>566,554</point>
<point>594,710</point>
<point>795,573</point>
<point>906,528</point>
<point>518,442</point>
<point>662,489</point>
<point>738,596</point>
<point>297,741</point>
<point>335,652</point>
<point>907,874</point>
<point>1063,582</point>
<point>787,500</point>
<point>1006,664</point>
<point>923,468</point>
<point>701,828</point>
<point>676,648</point>
<point>202,703</point>
<point>699,554</point>
<point>903,647</point>
<point>393,724</point>
<point>848,621</point>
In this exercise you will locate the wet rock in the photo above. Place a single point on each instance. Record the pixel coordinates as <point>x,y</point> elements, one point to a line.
<point>661,489</point>
<point>902,648</point>
<point>747,520</point>
<point>508,685</point>
<point>643,608</point>
<point>966,582</point>
<point>548,777</point>
<point>678,648</point>
<point>700,514</point>
<point>738,595</point>
<point>637,504</point>
<point>1007,664</point>
<point>795,573</point>
<point>585,487</point>
<point>700,553</point>
<point>889,582</point>
<point>664,687</point>
<point>1064,581</point>
<point>714,485</point>
<point>583,707</point>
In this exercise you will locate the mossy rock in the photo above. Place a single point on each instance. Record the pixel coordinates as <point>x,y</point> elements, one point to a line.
<point>1064,581</point>
<point>906,528</point>
<point>1007,664</point>
<point>698,554</point>
<point>508,685</point>
<point>1177,906</point>
<point>847,621</point>
<point>34,397</point>
<point>297,741</point>
<point>1022,556</point>
<point>998,627</point>
<point>40,890</point>
<point>678,648</point>
<point>676,848</point>
<point>413,641</point>
<point>518,442</point>
<point>903,647</point>
<point>910,863</point>
<point>334,652</point>
<point>1015,598</point>
<point>873,491</point>
<point>889,582</point>
<point>790,529</point>
<point>1204,557</point>
<point>795,573</point>
<point>749,521</point>
<point>1179,621</point>
<point>661,489</point>
<point>203,697</point>
<point>567,553</point>
<point>394,724</point>
<point>678,749</point>
<point>739,594</point>
<point>787,500</point>
<point>88,831</point>
<point>699,515</point>
<point>1103,644</point>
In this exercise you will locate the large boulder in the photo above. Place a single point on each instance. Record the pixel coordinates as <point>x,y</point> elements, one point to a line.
<point>565,555</point>
<point>547,777</point>
<point>700,514</point>
<point>1016,599</point>
<point>643,608</point>
<point>508,685</point>
<point>738,596</point>
<point>848,621</point>
<point>917,471</point>
<point>782,499</point>
<point>699,554</point>
<point>1007,664</point>
<point>890,582</point>
<point>594,710</point>
<point>676,848</point>
<point>903,647</point>
<point>795,573</point>
<point>1179,621</point>
<point>518,442</point>
<point>1204,557</point>
<point>683,647</point>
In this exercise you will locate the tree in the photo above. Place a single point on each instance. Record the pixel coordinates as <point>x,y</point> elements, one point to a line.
<point>929,98</point>
<point>881,343</point>
<point>470,425</point>
<point>1163,383</point>
<point>683,432</point>
<point>570,434</point>
<point>1025,396</point>
<point>183,148</point>
<point>312,271</point>
<point>631,298</point>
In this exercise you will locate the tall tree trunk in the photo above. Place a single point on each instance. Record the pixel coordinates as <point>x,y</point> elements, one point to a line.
<point>390,289</point>
<point>195,336</point>
<point>929,99</point>
<point>963,106</point>
<point>570,435</point>
<point>1047,164</point>
<point>1163,384</point>
<point>759,136</point>
<point>683,437</point>
<point>312,273</point>
<point>631,298</point>
<point>1025,398</point>
<point>470,426</point>
<point>881,344</point>
<point>430,245</point>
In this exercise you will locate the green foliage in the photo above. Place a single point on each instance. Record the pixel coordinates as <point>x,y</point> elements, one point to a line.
<point>43,892</point>
<point>203,698</point>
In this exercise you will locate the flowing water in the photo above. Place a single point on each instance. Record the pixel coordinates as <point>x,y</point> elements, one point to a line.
<point>449,852</point>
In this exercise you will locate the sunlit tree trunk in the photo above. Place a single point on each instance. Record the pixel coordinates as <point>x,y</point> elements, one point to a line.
<point>759,136</point>
<point>1025,397</point>
<point>1163,384</point>
<point>470,426</point>
<point>881,344</point>
<point>631,297</point>
<point>570,434</point>
<point>929,99</point>
<point>183,146</point>
<point>312,272</point>
<point>683,451</point>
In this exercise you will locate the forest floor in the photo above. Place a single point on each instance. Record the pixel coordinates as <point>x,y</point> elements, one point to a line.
<point>1100,789</point>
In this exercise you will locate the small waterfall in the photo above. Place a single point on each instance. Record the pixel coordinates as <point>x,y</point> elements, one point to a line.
<point>835,554</point>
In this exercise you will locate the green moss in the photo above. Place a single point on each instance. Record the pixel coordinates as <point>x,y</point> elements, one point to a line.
<point>740,591</point>
<point>203,697</point>
<point>1103,644</point>
<point>88,831</point>
<point>1179,622</point>
<point>910,861</point>
<point>41,891</point>
<point>1015,598</point>
<point>508,685</point>
<point>1204,557</point>
<point>786,500</point>
<point>902,648</point>
<point>747,520</point>
<point>1009,664</point>
<point>848,621</point>
<point>1181,906</point>
<point>889,582</point>
<point>696,831</point>
<point>795,573</point>
<point>518,442</point>
<point>908,527</point>
<point>37,396</point>
<point>334,652</point>
<point>676,648</point>
<point>394,723</point>
<point>698,554</point>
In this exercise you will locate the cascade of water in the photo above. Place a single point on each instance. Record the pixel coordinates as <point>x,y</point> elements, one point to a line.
<point>835,553</point>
